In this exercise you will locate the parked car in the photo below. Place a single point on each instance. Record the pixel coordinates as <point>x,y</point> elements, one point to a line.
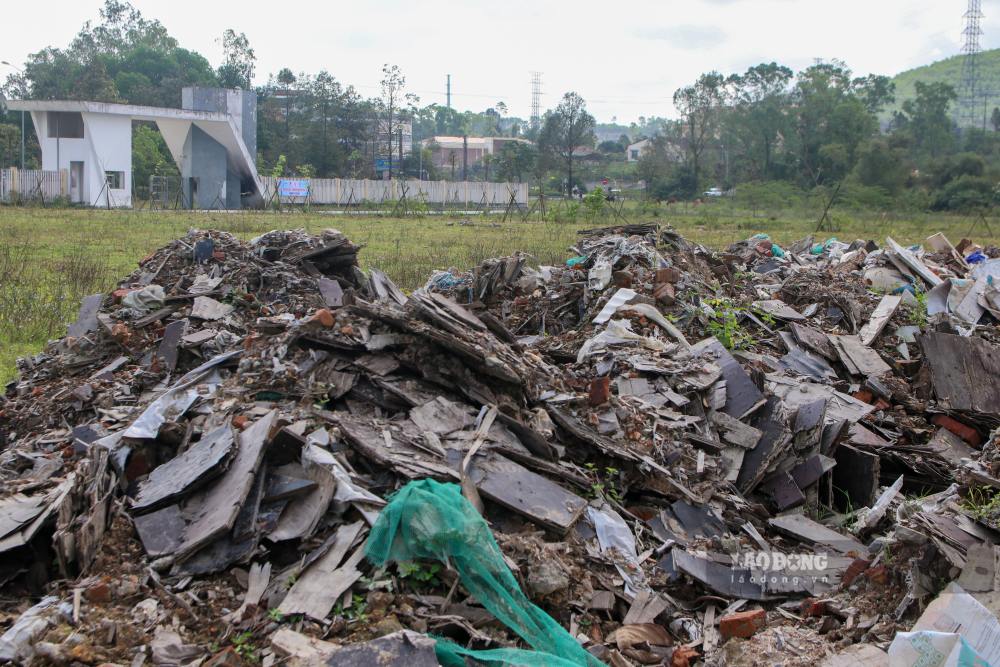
<point>713,192</point>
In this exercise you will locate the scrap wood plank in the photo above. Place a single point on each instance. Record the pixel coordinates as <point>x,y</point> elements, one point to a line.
<point>301,650</point>
<point>212,512</point>
<point>515,487</point>
<point>883,312</point>
<point>796,393</point>
<point>183,473</point>
<point>18,510</point>
<point>857,358</point>
<point>779,310</point>
<point>314,592</point>
<point>734,431</point>
<point>723,579</point>
<point>910,260</point>
<point>742,395</point>
<point>302,513</point>
<point>86,320</point>
<point>54,500</point>
<point>965,372</point>
<point>813,339</point>
<point>325,587</point>
<point>775,439</point>
<point>807,530</point>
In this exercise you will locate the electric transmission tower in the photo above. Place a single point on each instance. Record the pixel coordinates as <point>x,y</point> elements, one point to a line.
<point>971,48</point>
<point>536,98</point>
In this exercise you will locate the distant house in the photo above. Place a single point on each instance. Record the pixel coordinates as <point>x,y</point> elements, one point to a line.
<point>448,151</point>
<point>635,151</point>
<point>674,150</point>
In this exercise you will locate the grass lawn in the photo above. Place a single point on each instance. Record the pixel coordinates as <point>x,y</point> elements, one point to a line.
<point>50,258</point>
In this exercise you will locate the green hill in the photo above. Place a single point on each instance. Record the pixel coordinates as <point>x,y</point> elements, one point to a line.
<point>948,71</point>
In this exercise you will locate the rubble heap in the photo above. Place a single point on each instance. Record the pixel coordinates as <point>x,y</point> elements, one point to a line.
<point>777,454</point>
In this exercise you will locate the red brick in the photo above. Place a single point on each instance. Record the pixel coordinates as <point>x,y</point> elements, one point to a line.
<point>600,390</point>
<point>622,278</point>
<point>667,275</point>
<point>683,656</point>
<point>878,575</point>
<point>743,624</point>
<point>864,395</point>
<point>98,592</point>
<point>665,294</point>
<point>240,422</point>
<point>812,607</point>
<point>324,317</point>
<point>853,570</point>
<point>119,294</point>
<point>967,433</point>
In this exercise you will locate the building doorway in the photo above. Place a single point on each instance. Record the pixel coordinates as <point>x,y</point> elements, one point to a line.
<point>76,182</point>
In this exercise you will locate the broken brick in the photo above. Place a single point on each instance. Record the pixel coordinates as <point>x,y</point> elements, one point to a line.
<point>853,570</point>
<point>600,390</point>
<point>98,592</point>
<point>683,656</point>
<point>878,575</point>
<point>667,275</point>
<point>622,278</point>
<point>967,433</point>
<point>744,624</point>
<point>324,317</point>
<point>240,422</point>
<point>665,294</point>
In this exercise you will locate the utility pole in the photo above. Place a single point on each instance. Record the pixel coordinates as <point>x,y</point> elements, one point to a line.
<point>465,157</point>
<point>449,91</point>
<point>4,62</point>
<point>400,142</point>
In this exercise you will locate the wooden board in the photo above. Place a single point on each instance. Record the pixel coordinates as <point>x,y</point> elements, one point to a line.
<point>539,499</point>
<point>857,358</point>
<point>811,532</point>
<point>313,593</point>
<point>965,372</point>
<point>742,395</point>
<point>212,512</point>
<point>883,312</point>
<point>183,473</point>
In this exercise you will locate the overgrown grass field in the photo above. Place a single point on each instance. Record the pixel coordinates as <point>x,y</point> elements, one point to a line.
<point>50,258</point>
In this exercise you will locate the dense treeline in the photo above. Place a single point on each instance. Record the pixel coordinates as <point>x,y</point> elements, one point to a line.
<point>768,134</point>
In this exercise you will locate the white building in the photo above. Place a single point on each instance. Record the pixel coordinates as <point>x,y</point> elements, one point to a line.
<point>91,143</point>
<point>635,151</point>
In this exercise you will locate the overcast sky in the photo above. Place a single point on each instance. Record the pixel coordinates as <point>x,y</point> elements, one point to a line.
<point>625,57</point>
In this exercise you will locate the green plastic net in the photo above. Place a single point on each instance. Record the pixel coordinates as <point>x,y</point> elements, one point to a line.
<point>429,520</point>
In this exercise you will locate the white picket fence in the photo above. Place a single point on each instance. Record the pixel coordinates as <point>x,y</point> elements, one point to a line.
<point>349,191</point>
<point>31,184</point>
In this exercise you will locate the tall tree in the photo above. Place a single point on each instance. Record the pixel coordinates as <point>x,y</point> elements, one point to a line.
<point>700,106</point>
<point>391,105</point>
<point>239,60</point>
<point>760,98</point>
<point>565,129</point>
<point>926,118</point>
<point>831,121</point>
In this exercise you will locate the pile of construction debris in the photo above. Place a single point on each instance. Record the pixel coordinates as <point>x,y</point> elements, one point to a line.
<point>761,456</point>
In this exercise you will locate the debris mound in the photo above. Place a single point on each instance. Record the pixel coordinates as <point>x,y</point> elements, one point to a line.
<point>654,453</point>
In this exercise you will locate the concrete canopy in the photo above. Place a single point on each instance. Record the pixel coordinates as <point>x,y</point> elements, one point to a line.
<point>101,154</point>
